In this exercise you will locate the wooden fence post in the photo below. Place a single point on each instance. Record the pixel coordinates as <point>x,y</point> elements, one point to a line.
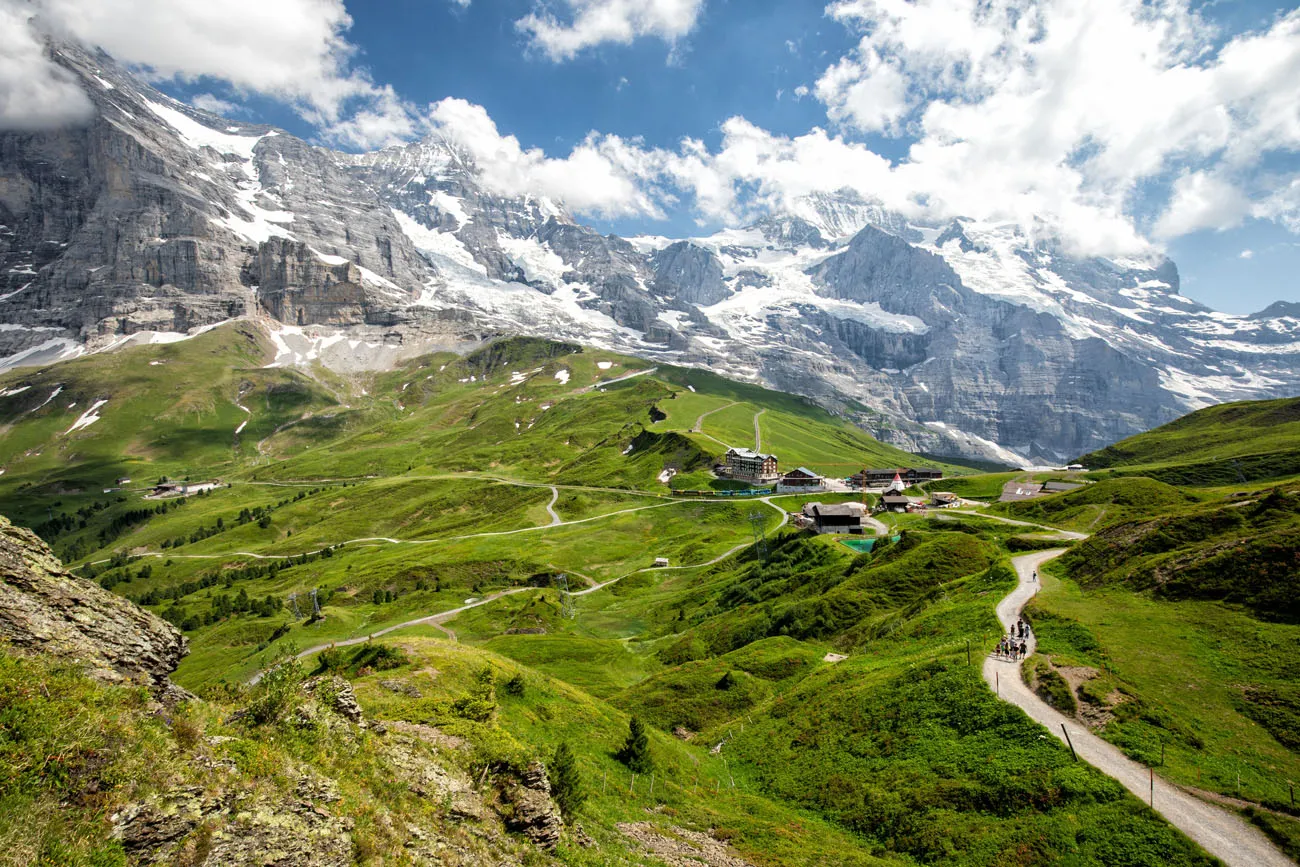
<point>1070,742</point>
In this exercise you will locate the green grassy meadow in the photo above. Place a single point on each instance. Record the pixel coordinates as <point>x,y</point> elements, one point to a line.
<point>400,495</point>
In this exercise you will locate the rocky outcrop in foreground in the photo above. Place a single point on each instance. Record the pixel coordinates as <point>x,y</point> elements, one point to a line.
<point>44,609</point>
<point>535,814</point>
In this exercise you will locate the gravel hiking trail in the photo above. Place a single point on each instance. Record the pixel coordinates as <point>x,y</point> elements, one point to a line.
<point>1219,832</point>
<point>556,520</point>
<point>441,617</point>
<point>698,427</point>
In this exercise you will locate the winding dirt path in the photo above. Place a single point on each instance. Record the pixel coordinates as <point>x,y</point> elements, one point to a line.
<point>430,620</point>
<point>556,520</point>
<point>699,422</point>
<point>1221,833</point>
<point>758,432</point>
<point>437,620</point>
<point>1057,531</point>
<point>243,424</point>
<point>624,378</point>
<point>881,528</point>
<point>390,541</point>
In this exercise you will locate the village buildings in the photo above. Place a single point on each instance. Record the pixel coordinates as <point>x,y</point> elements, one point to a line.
<point>800,481</point>
<point>848,518</point>
<point>1015,491</point>
<point>868,478</point>
<point>893,502</point>
<point>750,466</point>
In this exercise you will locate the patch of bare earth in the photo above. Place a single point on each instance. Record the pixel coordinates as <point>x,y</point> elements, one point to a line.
<point>678,847</point>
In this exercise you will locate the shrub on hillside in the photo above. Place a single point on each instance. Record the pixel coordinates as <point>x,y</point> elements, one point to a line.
<point>635,752</point>
<point>566,782</point>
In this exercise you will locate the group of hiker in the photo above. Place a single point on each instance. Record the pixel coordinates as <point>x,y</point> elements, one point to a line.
<point>1015,644</point>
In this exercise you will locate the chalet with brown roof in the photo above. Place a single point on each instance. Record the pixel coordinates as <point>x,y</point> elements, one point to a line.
<point>846,518</point>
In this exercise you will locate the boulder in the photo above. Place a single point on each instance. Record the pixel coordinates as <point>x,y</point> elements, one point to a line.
<point>534,815</point>
<point>46,610</point>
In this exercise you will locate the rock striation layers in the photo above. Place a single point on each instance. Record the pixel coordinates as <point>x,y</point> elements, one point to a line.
<point>46,610</point>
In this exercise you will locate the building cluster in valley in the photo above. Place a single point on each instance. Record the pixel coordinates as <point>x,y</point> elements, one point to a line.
<point>759,468</point>
<point>1021,490</point>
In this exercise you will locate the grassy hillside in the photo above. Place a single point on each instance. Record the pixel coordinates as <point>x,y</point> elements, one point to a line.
<point>798,431</point>
<point>446,498</point>
<point>1220,445</point>
<point>1100,505</point>
<point>1177,634</point>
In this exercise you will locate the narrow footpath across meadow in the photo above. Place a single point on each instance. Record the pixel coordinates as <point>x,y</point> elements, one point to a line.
<point>1057,531</point>
<point>698,427</point>
<point>556,520</point>
<point>439,619</point>
<point>371,540</point>
<point>1221,833</point>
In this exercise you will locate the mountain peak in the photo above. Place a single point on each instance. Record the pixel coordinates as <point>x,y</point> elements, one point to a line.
<point>1279,310</point>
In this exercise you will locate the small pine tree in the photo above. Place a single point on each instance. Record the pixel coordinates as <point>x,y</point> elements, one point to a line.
<point>566,782</point>
<point>636,749</point>
<point>516,685</point>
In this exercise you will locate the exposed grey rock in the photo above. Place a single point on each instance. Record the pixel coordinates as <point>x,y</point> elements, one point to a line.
<point>46,610</point>
<point>190,826</point>
<point>1278,310</point>
<point>337,694</point>
<point>689,273</point>
<point>958,338</point>
<point>534,814</point>
<point>401,687</point>
<point>792,232</point>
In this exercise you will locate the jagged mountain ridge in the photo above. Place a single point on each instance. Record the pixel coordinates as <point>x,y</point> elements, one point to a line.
<point>964,338</point>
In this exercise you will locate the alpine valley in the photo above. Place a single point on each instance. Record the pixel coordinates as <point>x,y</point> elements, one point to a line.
<point>156,221</point>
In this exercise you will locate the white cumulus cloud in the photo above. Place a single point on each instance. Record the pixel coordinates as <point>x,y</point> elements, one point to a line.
<point>605,176</point>
<point>294,51</point>
<point>594,22</point>
<point>1071,110</point>
<point>215,104</point>
<point>34,93</point>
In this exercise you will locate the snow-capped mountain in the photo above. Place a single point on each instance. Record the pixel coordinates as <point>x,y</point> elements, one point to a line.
<point>964,338</point>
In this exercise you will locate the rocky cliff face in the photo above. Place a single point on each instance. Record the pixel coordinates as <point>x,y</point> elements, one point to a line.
<point>960,338</point>
<point>48,611</point>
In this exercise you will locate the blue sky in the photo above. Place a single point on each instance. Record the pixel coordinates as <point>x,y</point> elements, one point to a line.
<point>1128,126</point>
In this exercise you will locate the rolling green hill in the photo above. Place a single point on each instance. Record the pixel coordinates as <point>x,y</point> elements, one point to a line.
<point>831,701</point>
<point>1220,445</point>
<point>1176,634</point>
<point>1099,505</point>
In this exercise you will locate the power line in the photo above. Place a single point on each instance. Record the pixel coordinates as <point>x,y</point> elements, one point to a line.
<point>567,609</point>
<point>758,524</point>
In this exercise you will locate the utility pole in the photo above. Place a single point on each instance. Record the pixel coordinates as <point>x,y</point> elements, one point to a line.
<point>567,609</point>
<point>758,523</point>
<point>315,604</point>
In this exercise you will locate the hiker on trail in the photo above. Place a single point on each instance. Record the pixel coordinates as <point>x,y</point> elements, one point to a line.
<point>1024,649</point>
